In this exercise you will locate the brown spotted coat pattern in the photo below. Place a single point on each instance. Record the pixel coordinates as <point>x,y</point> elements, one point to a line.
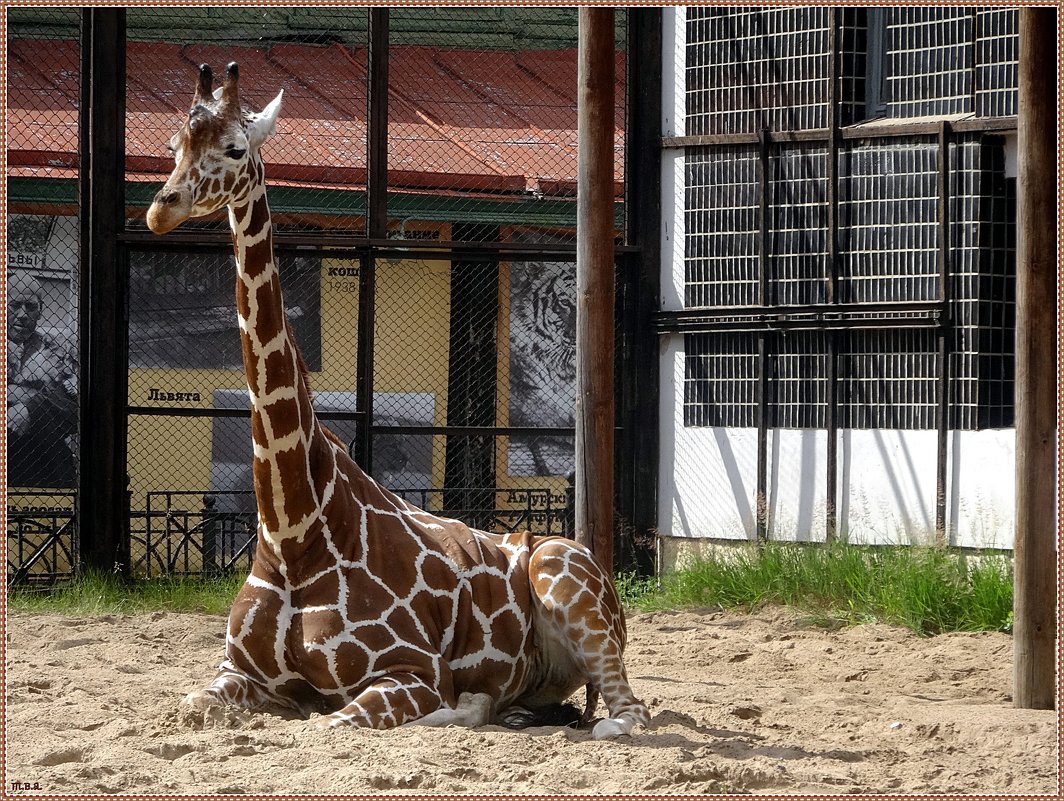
<point>360,605</point>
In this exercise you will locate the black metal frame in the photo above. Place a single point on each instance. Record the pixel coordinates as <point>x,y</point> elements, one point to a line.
<point>105,507</point>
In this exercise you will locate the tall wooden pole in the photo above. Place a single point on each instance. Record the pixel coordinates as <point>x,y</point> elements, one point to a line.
<point>1035,599</point>
<point>595,284</point>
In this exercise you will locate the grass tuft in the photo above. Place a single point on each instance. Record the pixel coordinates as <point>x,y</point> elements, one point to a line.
<point>928,590</point>
<point>94,593</point>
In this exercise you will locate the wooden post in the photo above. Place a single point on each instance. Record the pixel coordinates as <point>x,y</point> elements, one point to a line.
<point>595,283</point>
<point>1035,599</point>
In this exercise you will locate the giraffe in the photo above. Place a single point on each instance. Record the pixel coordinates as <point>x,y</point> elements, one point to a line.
<point>359,605</point>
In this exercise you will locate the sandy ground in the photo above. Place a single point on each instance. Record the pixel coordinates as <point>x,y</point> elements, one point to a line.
<point>761,703</point>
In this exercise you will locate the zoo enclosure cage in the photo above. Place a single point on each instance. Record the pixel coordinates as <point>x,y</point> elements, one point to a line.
<point>422,184</point>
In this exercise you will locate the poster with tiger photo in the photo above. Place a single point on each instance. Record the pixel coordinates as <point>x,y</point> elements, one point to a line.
<point>542,366</point>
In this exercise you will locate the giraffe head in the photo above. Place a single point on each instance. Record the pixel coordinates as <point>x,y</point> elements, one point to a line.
<point>216,151</point>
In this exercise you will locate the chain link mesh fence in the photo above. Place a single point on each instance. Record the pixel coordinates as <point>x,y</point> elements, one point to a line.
<point>482,121</point>
<point>471,353</point>
<point>469,414</point>
<point>42,289</point>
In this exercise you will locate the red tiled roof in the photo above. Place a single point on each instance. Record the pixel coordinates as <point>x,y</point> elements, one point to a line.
<point>459,119</point>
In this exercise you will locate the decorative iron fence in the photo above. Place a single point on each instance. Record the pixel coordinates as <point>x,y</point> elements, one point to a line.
<point>189,533</point>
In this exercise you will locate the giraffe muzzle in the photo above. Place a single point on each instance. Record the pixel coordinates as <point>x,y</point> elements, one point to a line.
<point>168,210</point>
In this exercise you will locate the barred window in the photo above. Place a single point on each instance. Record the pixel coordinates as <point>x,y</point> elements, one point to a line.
<point>901,62</point>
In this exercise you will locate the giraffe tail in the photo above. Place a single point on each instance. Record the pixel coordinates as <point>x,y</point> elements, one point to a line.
<point>520,717</point>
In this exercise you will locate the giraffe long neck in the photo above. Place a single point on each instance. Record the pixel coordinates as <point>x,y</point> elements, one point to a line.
<point>284,427</point>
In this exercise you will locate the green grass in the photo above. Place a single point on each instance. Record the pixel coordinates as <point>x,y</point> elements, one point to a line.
<point>103,594</point>
<point>928,590</point>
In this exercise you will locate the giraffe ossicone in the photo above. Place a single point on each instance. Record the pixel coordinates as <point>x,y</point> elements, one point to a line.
<point>360,605</point>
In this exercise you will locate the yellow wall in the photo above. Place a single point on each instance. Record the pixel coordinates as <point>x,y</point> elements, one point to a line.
<point>412,331</point>
<point>411,355</point>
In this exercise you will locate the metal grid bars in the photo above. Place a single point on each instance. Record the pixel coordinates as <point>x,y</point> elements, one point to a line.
<point>888,379</point>
<point>720,380</point>
<point>482,120</point>
<point>982,215</point>
<point>888,222</point>
<point>797,381</point>
<point>996,58</point>
<point>317,160</point>
<point>797,248</point>
<point>854,67</point>
<point>749,69</point>
<point>929,61</point>
<point>722,218</point>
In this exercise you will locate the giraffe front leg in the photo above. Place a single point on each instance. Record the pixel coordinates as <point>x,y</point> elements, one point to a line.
<point>394,700</point>
<point>473,709</point>
<point>229,688</point>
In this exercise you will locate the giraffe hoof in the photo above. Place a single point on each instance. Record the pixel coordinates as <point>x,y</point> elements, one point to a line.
<point>327,722</point>
<point>201,701</point>
<point>611,728</point>
<point>202,710</point>
<point>476,708</point>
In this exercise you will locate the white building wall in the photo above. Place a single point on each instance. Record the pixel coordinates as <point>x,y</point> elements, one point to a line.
<point>707,479</point>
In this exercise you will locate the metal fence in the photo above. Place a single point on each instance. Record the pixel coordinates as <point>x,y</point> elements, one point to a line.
<point>43,74</point>
<point>422,184</point>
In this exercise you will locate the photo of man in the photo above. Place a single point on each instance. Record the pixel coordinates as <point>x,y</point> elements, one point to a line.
<point>42,408</point>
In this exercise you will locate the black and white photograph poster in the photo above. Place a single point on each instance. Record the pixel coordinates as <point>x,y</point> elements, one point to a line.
<point>400,461</point>
<point>42,355</point>
<point>542,366</point>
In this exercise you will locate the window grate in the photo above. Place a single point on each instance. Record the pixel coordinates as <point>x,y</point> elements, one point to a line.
<point>983,270</point>
<point>888,379</point>
<point>798,226</point>
<point>888,222</point>
<point>797,381</point>
<point>929,61</point>
<point>721,217</point>
<point>720,380</point>
<point>753,68</point>
<point>996,62</point>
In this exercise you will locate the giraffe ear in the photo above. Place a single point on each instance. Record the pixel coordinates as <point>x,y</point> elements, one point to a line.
<point>262,125</point>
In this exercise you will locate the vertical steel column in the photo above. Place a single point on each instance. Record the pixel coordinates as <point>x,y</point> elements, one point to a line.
<point>832,421</point>
<point>376,224</point>
<point>595,293</point>
<point>1035,600</point>
<point>377,129</point>
<point>643,202</point>
<point>944,331</point>
<point>103,504</point>
<point>761,502</point>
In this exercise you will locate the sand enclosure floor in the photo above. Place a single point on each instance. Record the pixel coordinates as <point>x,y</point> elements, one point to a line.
<point>758,703</point>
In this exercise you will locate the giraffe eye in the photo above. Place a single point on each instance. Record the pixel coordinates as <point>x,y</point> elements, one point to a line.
<point>235,152</point>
